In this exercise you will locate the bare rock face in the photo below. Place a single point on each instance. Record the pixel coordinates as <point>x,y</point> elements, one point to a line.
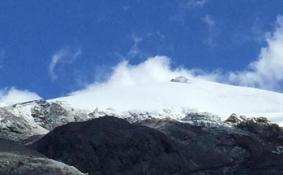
<point>259,126</point>
<point>14,127</point>
<point>109,145</point>
<point>235,120</point>
<point>202,119</point>
<point>15,159</point>
<point>26,122</point>
<point>52,114</point>
<point>180,79</point>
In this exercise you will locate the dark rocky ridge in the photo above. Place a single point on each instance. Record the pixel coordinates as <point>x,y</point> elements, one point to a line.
<point>109,145</point>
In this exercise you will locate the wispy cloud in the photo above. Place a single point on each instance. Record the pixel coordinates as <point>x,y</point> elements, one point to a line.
<point>135,50</point>
<point>185,8</point>
<point>209,21</point>
<point>211,28</point>
<point>2,57</point>
<point>63,56</point>
<point>196,3</point>
<point>10,96</point>
<point>267,70</point>
<point>258,32</point>
<point>139,46</point>
<point>152,70</point>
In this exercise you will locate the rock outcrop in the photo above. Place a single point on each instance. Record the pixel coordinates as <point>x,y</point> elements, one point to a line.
<point>109,145</point>
<point>17,128</point>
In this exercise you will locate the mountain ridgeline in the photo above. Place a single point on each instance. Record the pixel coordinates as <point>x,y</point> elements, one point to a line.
<point>181,127</point>
<point>62,140</point>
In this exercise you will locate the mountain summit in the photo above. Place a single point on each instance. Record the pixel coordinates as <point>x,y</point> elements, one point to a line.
<point>191,95</point>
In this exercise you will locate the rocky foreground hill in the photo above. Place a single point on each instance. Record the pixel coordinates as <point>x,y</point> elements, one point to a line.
<point>109,145</point>
<point>16,159</point>
<point>49,138</point>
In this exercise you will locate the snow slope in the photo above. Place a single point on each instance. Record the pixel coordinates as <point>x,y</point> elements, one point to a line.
<point>185,99</point>
<point>181,96</point>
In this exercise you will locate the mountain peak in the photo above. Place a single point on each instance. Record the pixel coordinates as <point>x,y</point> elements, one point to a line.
<point>181,79</point>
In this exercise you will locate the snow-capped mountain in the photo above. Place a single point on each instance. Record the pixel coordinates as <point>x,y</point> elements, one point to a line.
<point>184,115</point>
<point>189,100</point>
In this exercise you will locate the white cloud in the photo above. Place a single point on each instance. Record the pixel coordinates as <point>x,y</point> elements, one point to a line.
<point>63,56</point>
<point>267,70</point>
<point>10,96</point>
<point>153,70</point>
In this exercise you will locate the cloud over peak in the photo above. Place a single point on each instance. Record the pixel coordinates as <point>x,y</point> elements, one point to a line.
<point>10,96</point>
<point>155,69</point>
<point>267,70</point>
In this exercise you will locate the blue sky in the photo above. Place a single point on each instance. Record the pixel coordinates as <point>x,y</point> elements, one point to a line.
<point>56,47</point>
